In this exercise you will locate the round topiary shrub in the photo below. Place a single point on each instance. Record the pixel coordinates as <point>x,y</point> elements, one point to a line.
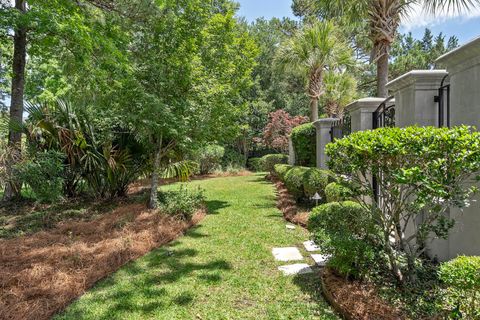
<point>256,164</point>
<point>345,231</point>
<point>462,275</point>
<point>270,160</point>
<point>315,180</point>
<point>281,170</point>
<point>294,181</point>
<point>335,192</point>
<point>304,143</point>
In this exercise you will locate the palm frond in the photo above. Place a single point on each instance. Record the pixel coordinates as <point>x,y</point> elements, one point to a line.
<point>182,170</point>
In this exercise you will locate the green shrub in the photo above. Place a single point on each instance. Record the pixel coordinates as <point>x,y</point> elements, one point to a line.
<point>281,170</point>
<point>304,144</point>
<point>181,203</point>
<point>433,166</point>
<point>462,275</point>
<point>344,231</point>
<point>270,160</point>
<point>335,192</point>
<point>44,174</point>
<point>256,164</point>
<point>294,179</point>
<point>209,158</point>
<point>315,180</point>
<point>233,158</point>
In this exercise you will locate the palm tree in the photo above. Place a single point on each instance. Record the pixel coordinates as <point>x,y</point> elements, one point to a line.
<point>340,89</point>
<point>382,18</point>
<point>311,51</point>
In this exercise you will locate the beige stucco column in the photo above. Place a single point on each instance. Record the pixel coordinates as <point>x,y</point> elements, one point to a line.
<point>361,113</point>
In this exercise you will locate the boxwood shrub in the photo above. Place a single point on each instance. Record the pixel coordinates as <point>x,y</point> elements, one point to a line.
<point>305,145</point>
<point>344,230</point>
<point>294,179</point>
<point>315,180</point>
<point>270,160</point>
<point>335,192</point>
<point>281,170</point>
<point>256,164</point>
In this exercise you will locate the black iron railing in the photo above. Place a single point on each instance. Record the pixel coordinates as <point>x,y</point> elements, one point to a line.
<point>341,128</point>
<point>384,116</point>
<point>443,100</point>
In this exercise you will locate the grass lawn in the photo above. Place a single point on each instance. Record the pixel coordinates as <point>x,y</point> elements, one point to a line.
<point>222,269</point>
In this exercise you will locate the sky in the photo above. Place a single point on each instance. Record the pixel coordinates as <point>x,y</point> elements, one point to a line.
<point>465,25</point>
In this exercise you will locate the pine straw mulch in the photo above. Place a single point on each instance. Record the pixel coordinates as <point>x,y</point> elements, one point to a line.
<point>42,273</point>
<point>355,300</point>
<point>287,204</point>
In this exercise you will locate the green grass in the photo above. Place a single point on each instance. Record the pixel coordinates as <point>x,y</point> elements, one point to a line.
<point>222,269</point>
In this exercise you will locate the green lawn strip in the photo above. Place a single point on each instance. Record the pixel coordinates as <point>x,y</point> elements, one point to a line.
<point>222,269</point>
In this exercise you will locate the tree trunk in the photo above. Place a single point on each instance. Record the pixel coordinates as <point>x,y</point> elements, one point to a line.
<point>313,109</point>
<point>153,201</point>
<point>382,74</point>
<point>13,188</point>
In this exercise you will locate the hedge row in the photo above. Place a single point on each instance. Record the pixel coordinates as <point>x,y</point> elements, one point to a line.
<point>267,163</point>
<point>305,145</point>
<point>303,182</point>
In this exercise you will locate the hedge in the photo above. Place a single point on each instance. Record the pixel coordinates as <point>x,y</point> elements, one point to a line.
<point>256,164</point>
<point>335,192</point>
<point>315,180</point>
<point>305,145</point>
<point>270,160</point>
<point>303,182</point>
<point>281,170</point>
<point>294,179</point>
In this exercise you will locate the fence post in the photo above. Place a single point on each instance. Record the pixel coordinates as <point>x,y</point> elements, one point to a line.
<point>291,152</point>
<point>415,102</point>
<point>323,127</point>
<point>361,113</point>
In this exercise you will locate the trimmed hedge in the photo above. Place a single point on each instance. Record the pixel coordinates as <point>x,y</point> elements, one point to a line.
<point>294,179</point>
<point>270,160</point>
<point>335,192</point>
<point>305,145</point>
<point>344,230</point>
<point>256,164</point>
<point>315,180</point>
<point>281,170</point>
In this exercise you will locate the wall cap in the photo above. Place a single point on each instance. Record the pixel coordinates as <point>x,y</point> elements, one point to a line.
<point>459,55</point>
<point>367,103</point>
<point>324,123</point>
<point>422,77</point>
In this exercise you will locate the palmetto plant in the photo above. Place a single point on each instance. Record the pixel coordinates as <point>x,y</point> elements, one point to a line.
<point>340,89</point>
<point>316,48</point>
<point>382,18</point>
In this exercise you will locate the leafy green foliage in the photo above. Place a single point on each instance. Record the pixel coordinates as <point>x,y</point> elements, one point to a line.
<point>209,158</point>
<point>462,275</point>
<point>304,145</point>
<point>256,164</point>
<point>281,170</point>
<point>44,174</point>
<point>182,202</point>
<point>270,160</point>
<point>345,231</point>
<point>294,180</point>
<point>336,192</point>
<point>420,171</point>
<point>315,181</point>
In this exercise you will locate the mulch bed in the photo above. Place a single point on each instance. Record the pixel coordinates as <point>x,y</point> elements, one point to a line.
<point>287,204</point>
<point>42,273</point>
<point>355,300</point>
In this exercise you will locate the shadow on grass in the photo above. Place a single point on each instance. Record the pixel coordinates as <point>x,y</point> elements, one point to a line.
<point>214,206</point>
<point>145,289</point>
<point>310,285</point>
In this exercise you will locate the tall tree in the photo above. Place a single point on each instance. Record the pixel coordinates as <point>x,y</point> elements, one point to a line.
<point>312,51</point>
<point>382,19</point>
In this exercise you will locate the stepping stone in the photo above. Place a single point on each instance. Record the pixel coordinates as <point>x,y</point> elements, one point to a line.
<point>290,227</point>
<point>320,259</point>
<point>290,270</point>
<point>287,254</point>
<point>310,246</point>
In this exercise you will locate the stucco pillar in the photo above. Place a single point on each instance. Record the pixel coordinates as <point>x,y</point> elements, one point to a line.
<point>415,94</point>
<point>463,66</point>
<point>291,152</point>
<point>323,127</point>
<point>361,113</point>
